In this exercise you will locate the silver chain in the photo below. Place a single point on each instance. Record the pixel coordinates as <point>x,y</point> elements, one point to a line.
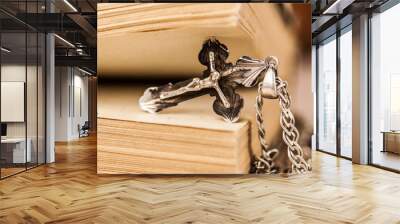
<point>290,134</point>
<point>264,163</point>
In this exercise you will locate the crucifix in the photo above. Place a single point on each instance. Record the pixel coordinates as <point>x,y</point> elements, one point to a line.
<point>220,80</point>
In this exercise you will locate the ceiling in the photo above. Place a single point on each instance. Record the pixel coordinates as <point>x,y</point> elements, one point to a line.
<point>74,22</point>
<point>328,16</point>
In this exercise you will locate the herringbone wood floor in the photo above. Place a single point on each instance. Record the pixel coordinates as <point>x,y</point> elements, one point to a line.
<point>69,191</point>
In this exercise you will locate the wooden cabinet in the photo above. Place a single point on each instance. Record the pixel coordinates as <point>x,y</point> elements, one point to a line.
<point>391,141</point>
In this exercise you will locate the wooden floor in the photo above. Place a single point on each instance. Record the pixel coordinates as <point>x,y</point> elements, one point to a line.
<point>386,159</point>
<point>5,172</point>
<point>69,191</point>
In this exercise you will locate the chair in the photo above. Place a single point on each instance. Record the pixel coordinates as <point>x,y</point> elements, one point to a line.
<point>84,130</point>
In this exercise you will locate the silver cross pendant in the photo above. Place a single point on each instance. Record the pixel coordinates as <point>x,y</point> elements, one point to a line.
<point>220,80</point>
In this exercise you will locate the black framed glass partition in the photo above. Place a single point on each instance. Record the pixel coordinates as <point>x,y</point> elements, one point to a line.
<point>13,90</point>
<point>334,94</point>
<point>22,88</point>
<point>384,113</point>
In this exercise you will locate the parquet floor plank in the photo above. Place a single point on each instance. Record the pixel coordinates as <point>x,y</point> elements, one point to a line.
<point>70,191</point>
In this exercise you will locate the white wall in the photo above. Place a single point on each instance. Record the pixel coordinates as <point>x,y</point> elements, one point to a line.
<point>71,103</point>
<point>50,94</point>
<point>12,101</point>
<point>12,73</point>
<point>33,126</point>
<point>80,109</point>
<point>62,81</point>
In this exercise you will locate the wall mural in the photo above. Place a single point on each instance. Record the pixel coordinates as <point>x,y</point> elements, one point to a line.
<point>153,57</point>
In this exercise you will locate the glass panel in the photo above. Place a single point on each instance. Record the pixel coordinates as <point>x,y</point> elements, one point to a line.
<point>31,100</point>
<point>22,88</point>
<point>13,90</point>
<point>346,94</point>
<point>41,98</point>
<point>385,84</point>
<point>32,90</point>
<point>315,92</point>
<point>327,96</point>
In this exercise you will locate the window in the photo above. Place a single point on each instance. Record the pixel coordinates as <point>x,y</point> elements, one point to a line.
<point>385,89</point>
<point>345,59</point>
<point>326,96</point>
<point>22,78</point>
<point>334,73</point>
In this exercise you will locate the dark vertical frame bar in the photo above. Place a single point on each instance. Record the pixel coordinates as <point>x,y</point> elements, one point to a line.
<point>369,78</point>
<point>317,97</point>
<point>338,93</point>
<point>26,86</point>
<point>37,90</point>
<point>45,88</point>
<point>44,79</point>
